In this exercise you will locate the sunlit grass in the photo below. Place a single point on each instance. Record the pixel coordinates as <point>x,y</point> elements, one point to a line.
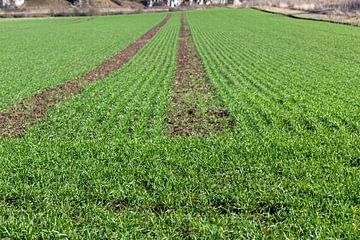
<point>100,165</point>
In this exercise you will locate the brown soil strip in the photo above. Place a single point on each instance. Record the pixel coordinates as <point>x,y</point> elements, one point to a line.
<point>27,112</point>
<point>194,108</point>
<point>308,15</point>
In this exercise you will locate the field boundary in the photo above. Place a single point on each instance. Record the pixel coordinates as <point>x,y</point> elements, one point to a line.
<point>194,108</point>
<point>73,12</point>
<point>27,112</point>
<point>302,15</point>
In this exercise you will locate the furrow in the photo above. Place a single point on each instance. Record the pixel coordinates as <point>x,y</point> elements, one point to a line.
<point>194,108</point>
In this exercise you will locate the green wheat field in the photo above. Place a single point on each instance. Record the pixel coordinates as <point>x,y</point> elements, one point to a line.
<point>101,165</point>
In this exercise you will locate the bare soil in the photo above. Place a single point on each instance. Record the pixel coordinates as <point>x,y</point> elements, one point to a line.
<point>194,108</point>
<point>27,112</point>
<point>327,16</point>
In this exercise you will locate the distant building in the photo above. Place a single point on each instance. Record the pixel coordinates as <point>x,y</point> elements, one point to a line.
<point>176,3</point>
<point>4,3</point>
<point>8,3</point>
<point>80,2</point>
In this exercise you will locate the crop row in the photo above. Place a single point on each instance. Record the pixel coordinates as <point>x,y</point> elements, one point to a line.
<point>131,102</point>
<point>291,85</point>
<point>271,80</point>
<point>39,54</point>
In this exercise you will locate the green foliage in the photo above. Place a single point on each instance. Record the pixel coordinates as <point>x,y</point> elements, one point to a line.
<point>101,166</point>
<point>37,54</point>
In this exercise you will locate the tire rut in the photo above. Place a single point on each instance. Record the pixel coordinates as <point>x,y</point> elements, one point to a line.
<point>194,107</point>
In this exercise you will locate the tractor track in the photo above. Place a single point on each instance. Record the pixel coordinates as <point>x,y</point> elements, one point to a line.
<point>194,107</point>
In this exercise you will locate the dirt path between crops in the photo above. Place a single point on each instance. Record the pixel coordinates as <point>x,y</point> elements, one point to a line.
<point>194,108</point>
<point>27,112</point>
